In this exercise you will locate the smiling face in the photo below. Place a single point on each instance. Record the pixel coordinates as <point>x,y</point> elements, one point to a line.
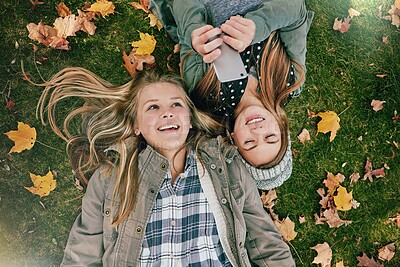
<point>257,135</point>
<point>163,117</point>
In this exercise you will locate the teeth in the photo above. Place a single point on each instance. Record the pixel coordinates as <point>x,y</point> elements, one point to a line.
<point>167,127</point>
<point>255,120</point>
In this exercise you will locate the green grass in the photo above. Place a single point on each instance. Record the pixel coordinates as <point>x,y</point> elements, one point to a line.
<point>341,76</point>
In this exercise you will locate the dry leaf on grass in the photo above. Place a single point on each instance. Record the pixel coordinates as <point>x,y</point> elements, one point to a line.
<point>286,229</point>
<point>324,256</point>
<point>146,44</point>
<point>377,104</point>
<point>102,7</point>
<point>24,137</point>
<point>342,26</point>
<point>329,123</point>
<point>367,262</point>
<point>42,185</point>
<point>386,253</point>
<point>304,136</point>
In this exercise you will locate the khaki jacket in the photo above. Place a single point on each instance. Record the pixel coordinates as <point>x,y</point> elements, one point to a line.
<point>246,231</point>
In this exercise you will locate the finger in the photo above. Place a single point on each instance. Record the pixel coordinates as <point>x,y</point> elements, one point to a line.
<point>241,20</point>
<point>234,43</point>
<point>209,58</point>
<point>232,31</point>
<point>212,45</point>
<point>245,26</point>
<point>204,34</point>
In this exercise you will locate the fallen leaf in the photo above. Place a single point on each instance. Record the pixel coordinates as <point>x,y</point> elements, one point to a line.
<point>86,22</point>
<point>67,26</point>
<point>146,44</point>
<point>396,144</point>
<point>343,199</point>
<point>329,123</point>
<point>318,219</point>
<point>135,62</point>
<point>354,177</point>
<point>143,5</point>
<point>377,104</point>
<point>397,4</point>
<point>385,39</point>
<point>395,219</point>
<point>324,256</point>
<point>47,35</point>
<point>367,262</point>
<point>369,172</point>
<point>10,104</point>
<point>63,10</point>
<point>342,26</point>
<point>379,172</point>
<point>286,229</point>
<point>42,185</point>
<point>353,13</point>
<point>103,7</point>
<point>268,198</point>
<point>304,136</point>
<point>386,253</point>
<point>339,264</point>
<point>35,3</point>
<point>333,181</point>
<point>302,219</point>
<point>332,218</point>
<point>381,75</point>
<point>155,22</point>
<point>24,137</point>
<point>324,201</point>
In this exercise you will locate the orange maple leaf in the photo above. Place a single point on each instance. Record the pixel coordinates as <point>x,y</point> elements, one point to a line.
<point>135,62</point>
<point>329,123</point>
<point>155,22</point>
<point>42,185</point>
<point>24,137</point>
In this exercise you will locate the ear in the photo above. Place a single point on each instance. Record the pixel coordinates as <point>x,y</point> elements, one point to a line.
<point>137,132</point>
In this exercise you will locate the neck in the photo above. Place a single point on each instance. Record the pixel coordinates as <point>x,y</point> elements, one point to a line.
<point>250,95</point>
<point>177,163</point>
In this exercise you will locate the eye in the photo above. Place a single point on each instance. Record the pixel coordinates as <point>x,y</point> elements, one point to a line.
<point>248,141</point>
<point>271,138</point>
<point>151,107</point>
<point>177,104</point>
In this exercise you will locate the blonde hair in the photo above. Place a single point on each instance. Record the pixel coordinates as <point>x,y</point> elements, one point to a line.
<point>273,69</point>
<point>108,115</point>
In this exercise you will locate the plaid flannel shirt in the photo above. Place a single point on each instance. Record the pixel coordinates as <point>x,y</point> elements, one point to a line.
<point>181,230</point>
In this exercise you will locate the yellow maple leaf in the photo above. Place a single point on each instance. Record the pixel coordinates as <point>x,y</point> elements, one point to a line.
<point>343,199</point>
<point>103,7</point>
<point>329,123</point>
<point>24,137</point>
<point>42,185</point>
<point>146,44</point>
<point>286,229</point>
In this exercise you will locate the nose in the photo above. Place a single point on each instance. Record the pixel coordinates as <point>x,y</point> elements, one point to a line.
<point>167,114</point>
<point>259,129</point>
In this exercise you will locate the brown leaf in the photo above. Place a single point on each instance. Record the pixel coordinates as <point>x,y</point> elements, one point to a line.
<point>385,39</point>
<point>379,172</point>
<point>302,219</point>
<point>67,26</point>
<point>333,219</point>
<point>135,62</point>
<point>318,219</point>
<point>10,104</point>
<point>286,229</point>
<point>381,75</point>
<point>35,3</point>
<point>386,253</point>
<point>304,136</point>
<point>333,181</point>
<point>86,22</point>
<point>367,262</point>
<point>63,10</point>
<point>268,198</point>
<point>142,5</point>
<point>395,219</point>
<point>102,7</point>
<point>324,201</point>
<point>342,26</point>
<point>354,177</point>
<point>368,170</point>
<point>324,256</point>
<point>353,13</point>
<point>377,105</point>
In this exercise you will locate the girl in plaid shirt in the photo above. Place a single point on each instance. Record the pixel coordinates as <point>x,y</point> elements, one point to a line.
<point>162,191</point>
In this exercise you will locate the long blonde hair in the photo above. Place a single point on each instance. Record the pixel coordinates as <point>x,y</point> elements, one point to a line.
<point>108,114</point>
<point>273,69</point>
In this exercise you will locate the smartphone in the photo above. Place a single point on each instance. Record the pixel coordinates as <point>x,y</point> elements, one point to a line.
<point>229,65</point>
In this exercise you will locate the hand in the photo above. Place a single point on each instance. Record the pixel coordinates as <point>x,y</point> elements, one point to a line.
<point>239,32</point>
<point>201,44</point>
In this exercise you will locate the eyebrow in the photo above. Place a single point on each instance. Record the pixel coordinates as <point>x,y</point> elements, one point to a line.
<point>155,100</point>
